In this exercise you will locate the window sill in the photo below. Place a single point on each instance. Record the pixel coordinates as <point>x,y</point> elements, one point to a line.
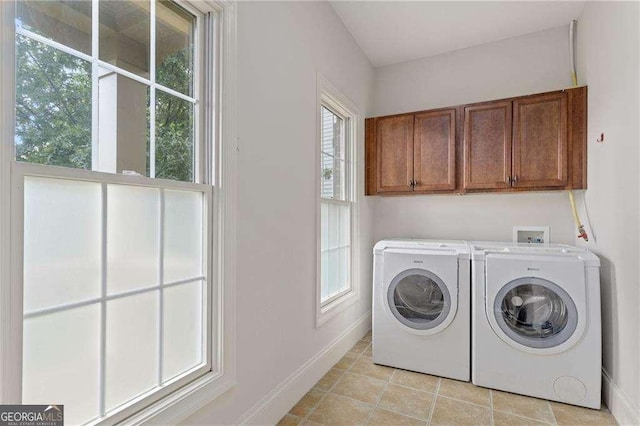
<point>182,403</point>
<point>325,313</point>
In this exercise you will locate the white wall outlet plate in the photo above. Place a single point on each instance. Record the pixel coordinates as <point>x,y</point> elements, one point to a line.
<point>531,235</point>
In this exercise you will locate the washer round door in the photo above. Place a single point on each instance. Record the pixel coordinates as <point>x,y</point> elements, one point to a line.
<point>419,299</point>
<point>535,312</point>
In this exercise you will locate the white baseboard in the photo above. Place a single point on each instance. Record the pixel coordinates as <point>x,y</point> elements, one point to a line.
<point>270,409</point>
<point>617,402</point>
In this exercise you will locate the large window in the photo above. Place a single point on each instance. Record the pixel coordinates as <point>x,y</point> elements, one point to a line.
<point>336,134</point>
<point>112,205</point>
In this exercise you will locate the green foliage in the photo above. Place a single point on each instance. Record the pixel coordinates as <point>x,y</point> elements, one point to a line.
<point>327,172</point>
<point>53,106</point>
<point>174,119</point>
<point>53,110</point>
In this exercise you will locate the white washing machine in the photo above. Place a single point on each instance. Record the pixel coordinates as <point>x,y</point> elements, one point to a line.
<point>536,321</point>
<point>421,306</point>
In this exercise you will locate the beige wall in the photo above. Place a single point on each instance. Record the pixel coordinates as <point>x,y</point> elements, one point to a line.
<point>608,50</point>
<point>532,63</point>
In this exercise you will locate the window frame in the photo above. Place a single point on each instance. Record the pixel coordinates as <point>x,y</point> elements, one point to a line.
<point>330,97</point>
<point>22,170</point>
<point>330,105</point>
<point>216,166</point>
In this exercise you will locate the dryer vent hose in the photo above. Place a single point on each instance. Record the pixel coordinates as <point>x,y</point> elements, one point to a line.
<point>574,78</point>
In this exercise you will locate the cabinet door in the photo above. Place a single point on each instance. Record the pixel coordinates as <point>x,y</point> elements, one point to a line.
<point>434,151</point>
<point>395,153</point>
<point>540,141</point>
<point>487,146</point>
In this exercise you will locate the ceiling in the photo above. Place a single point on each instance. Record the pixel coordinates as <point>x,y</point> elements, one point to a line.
<point>390,32</point>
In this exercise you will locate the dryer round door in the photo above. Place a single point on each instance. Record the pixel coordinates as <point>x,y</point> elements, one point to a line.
<point>535,312</point>
<point>419,300</point>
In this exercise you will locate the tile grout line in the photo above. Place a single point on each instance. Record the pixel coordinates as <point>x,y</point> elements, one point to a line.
<point>384,389</point>
<point>334,385</point>
<point>491,406</point>
<point>465,401</point>
<point>323,396</point>
<point>344,372</point>
<point>491,391</point>
<point>388,382</point>
<point>386,385</point>
<point>395,370</point>
<point>403,386</point>
<point>361,354</point>
<point>520,416</point>
<point>391,410</point>
<point>434,394</point>
<point>553,415</point>
<point>433,403</point>
<point>366,403</point>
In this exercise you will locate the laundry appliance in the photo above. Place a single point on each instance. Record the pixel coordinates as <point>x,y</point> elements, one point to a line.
<point>421,306</point>
<point>536,321</point>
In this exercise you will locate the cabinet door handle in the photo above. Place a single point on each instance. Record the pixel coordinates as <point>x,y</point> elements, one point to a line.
<point>515,179</point>
<point>509,180</point>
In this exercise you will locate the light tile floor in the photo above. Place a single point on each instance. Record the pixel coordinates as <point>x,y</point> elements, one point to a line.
<point>357,392</point>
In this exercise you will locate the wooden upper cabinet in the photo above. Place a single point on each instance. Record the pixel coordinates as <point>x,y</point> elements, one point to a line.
<point>394,149</point>
<point>540,141</point>
<point>487,146</point>
<point>534,142</point>
<point>434,151</point>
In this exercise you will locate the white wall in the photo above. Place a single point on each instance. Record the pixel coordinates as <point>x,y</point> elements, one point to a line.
<point>608,51</point>
<point>532,63</point>
<point>608,63</point>
<point>281,45</point>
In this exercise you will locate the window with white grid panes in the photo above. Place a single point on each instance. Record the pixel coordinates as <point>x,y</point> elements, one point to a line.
<point>114,290</point>
<point>110,86</point>
<point>335,204</point>
<point>113,203</point>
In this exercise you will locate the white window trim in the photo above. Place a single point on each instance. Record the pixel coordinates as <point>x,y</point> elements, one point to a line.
<point>328,94</point>
<point>183,402</point>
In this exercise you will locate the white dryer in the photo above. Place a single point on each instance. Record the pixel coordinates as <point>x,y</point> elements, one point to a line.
<point>421,306</point>
<point>536,321</point>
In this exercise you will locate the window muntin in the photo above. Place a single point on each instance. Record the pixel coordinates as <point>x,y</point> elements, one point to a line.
<point>333,155</point>
<point>124,35</point>
<point>335,250</point>
<point>335,202</point>
<point>67,212</point>
<point>127,92</point>
<point>172,296</point>
<point>53,106</point>
<point>174,148</point>
<point>148,327</point>
<point>68,22</point>
<point>175,45</point>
